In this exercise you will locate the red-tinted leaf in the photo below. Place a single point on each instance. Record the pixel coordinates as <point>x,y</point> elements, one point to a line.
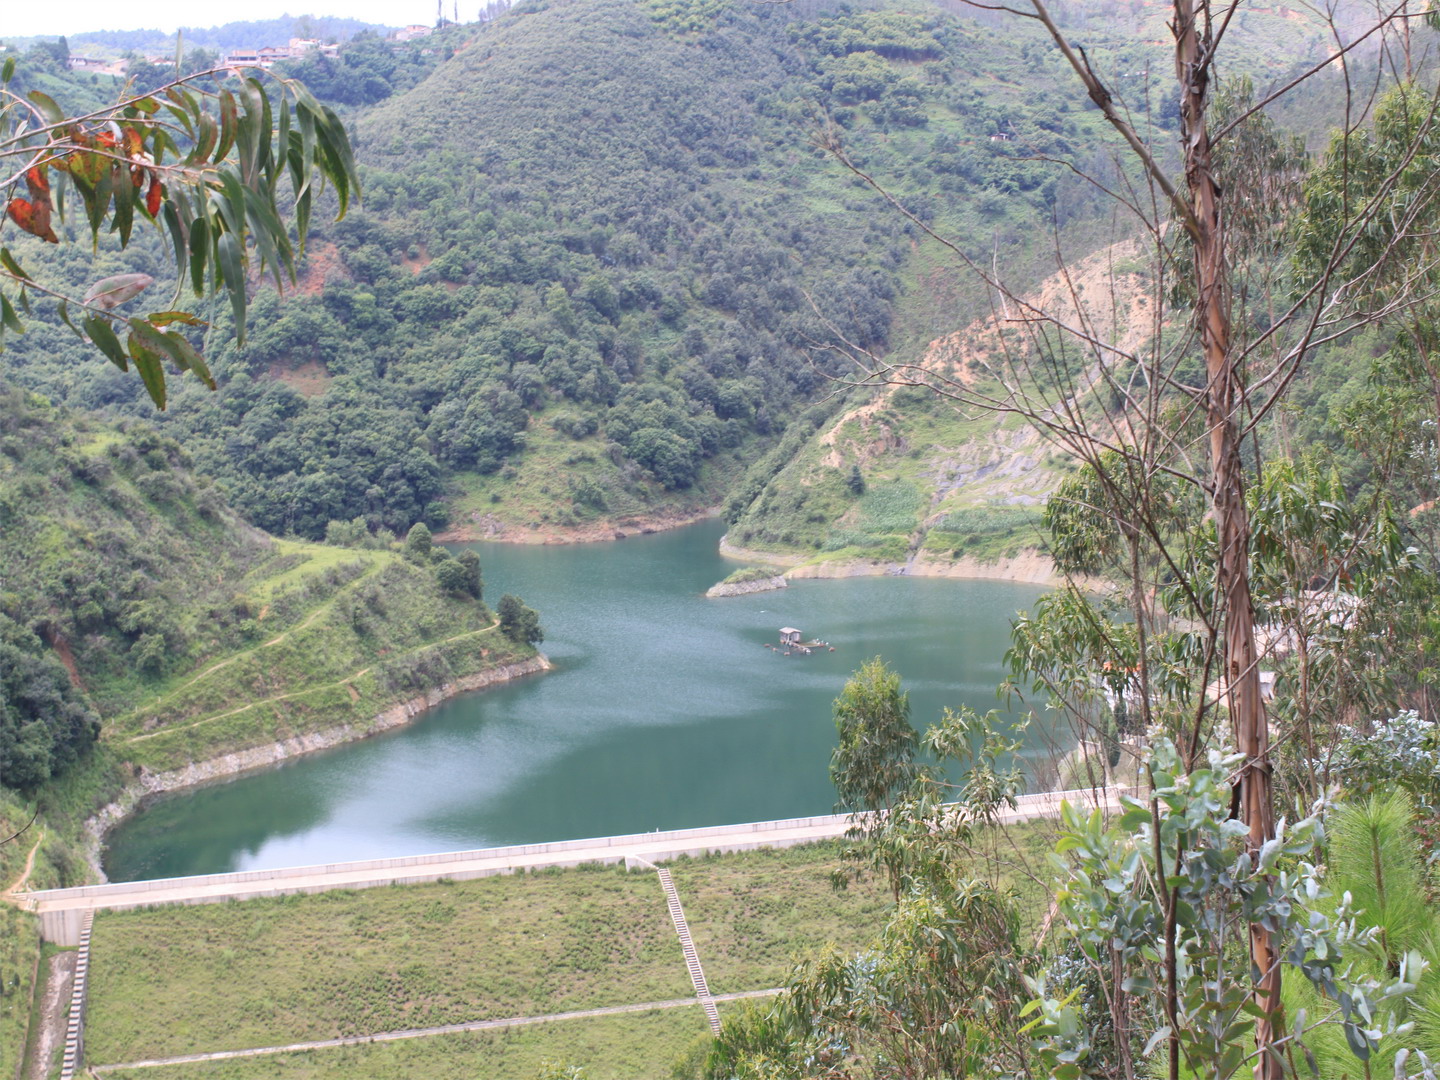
<point>112,291</point>
<point>34,217</point>
<point>87,166</point>
<point>134,141</point>
<point>22,213</point>
<point>42,215</point>
<point>36,178</point>
<point>154,195</point>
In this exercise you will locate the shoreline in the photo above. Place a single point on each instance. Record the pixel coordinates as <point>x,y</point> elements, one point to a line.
<point>146,785</point>
<point>487,527</point>
<point>1030,566</point>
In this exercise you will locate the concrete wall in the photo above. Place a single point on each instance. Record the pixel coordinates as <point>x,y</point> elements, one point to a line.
<point>62,910</point>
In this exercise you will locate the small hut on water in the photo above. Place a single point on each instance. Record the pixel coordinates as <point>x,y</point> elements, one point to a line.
<point>789,636</point>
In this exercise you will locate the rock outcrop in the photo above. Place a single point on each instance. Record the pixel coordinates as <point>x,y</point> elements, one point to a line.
<point>744,588</point>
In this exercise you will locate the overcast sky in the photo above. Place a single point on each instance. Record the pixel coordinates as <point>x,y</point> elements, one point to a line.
<point>25,18</point>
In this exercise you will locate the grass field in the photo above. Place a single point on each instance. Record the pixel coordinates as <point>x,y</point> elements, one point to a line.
<point>265,972</point>
<point>183,980</point>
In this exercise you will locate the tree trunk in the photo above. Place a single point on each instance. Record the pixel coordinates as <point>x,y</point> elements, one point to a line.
<point>1224,395</point>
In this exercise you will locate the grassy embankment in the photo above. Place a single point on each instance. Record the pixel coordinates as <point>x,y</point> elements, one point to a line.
<point>272,972</point>
<point>640,1046</point>
<point>348,634</point>
<point>186,633</point>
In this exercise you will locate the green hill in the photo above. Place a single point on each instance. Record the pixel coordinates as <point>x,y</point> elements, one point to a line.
<point>144,627</point>
<point>603,269</point>
<point>601,265</point>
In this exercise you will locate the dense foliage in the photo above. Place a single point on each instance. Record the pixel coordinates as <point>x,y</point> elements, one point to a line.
<point>44,725</point>
<point>116,559</point>
<point>595,237</point>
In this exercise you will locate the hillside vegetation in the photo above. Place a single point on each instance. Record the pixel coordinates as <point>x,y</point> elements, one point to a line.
<point>145,627</point>
<point>599,262</point>
<point>138,610</point>
<point>136,595</point>
<point>602,265</point>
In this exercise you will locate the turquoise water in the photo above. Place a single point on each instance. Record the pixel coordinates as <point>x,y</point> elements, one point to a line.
<point>664,711</point>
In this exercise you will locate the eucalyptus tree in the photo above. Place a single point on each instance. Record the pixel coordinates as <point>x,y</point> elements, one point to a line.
<point>223,165</point>
<point>1162,389</point>
<point>1159,903</point>
<point>874,759</point>
<point>939,991</point>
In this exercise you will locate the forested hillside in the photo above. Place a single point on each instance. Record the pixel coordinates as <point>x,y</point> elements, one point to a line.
<point>137,610</point>
<point>599,258</point>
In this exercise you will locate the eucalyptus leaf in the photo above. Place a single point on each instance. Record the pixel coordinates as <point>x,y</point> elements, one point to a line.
<point>109,293</point>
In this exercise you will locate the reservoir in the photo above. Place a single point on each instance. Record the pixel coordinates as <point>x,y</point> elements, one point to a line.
<point>664,711</point>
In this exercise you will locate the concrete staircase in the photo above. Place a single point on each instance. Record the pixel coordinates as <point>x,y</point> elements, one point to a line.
<point>75,1025</point>
<point>687,946</point>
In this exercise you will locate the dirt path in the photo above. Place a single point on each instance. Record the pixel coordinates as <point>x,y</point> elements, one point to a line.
<point>247,707</point>
<point>48,1039</point>
<point>294,693</point>
<point>320,609</point>
<point>19,883</point>
<point>420,1033</point>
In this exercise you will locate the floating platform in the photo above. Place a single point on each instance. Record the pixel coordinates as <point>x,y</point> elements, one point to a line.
<point>790,643</point>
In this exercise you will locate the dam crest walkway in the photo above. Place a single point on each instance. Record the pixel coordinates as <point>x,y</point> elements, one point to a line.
<point>62,911</point>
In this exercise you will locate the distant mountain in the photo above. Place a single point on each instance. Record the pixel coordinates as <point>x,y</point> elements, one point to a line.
<point>235,35</point>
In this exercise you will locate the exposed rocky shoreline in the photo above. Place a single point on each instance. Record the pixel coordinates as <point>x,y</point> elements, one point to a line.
<point>1028,566</point>
<point>744,588</point>
<point>491,527</point>
<point>148,784</point>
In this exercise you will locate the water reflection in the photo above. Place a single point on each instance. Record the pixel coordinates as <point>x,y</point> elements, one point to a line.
<point>664,711</point>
